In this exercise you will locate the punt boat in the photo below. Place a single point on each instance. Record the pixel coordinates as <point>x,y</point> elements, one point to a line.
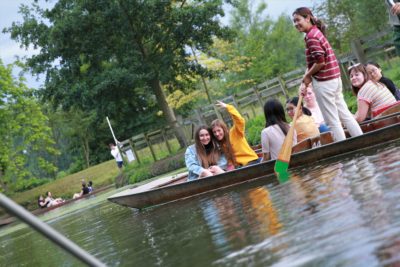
<point>377,131</point>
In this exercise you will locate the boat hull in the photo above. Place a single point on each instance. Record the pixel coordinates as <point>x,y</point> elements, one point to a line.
<point>187,189</point>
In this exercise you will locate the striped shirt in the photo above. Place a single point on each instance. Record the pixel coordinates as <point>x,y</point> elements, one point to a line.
<point>318,50</point>
<point>376,95</point>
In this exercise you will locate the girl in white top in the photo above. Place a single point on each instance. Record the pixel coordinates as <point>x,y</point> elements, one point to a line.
<point>275,131</point>
<point>311,103</point>
<point>372,98</point>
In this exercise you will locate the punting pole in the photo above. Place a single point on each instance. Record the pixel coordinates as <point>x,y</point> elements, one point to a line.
<point>112,132</point>
<point>48,232</point>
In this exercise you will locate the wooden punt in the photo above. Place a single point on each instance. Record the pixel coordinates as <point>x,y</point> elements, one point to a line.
<point>6,219</point>
<point>378,131</point>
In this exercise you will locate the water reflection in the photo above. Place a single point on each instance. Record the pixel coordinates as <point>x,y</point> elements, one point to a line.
<point>343,212</point>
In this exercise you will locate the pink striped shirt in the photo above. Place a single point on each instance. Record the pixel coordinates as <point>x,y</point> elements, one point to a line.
<point>376,95</point>
<point>318,50</point>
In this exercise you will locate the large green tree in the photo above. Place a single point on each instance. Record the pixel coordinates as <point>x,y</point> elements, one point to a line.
<point>263,48</point>
<point>26,139</point>
<point>348,20</point>
<point>108,55</point>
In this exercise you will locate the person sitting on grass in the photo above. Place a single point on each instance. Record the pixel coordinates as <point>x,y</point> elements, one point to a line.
<point>90,186</point>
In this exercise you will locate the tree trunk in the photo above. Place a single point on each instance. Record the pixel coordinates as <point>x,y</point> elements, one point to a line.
<point>86,151</point>
<point>168,112</point>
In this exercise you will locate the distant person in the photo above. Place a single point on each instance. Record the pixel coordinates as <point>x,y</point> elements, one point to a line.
<point>204,158</point>
<point>375,73</point>
<point>310,102</point>
<point>324,74</point>
<point>84,191</point>
<point>233,142</point>
<point>394,20</point>
<point>117,155</point>
<point>90,186</point>
<point>305,125</point>
<point>53,201</point>
<point>276,129</point>
<point>42,203</point>
<point>372,98</point>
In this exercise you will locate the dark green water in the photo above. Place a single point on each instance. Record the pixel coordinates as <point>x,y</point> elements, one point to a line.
<point>342,212</point>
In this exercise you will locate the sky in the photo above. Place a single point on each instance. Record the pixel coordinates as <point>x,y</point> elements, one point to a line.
<point>9,49</point>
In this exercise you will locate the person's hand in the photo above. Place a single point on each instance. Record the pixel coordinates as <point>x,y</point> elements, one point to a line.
<point>303,89</point>
<point>307,80</point>
<point>220,104</point>
<point>395,9</point>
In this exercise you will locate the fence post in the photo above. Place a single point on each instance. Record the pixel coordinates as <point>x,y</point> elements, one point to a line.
<point>151,148</point>
<point>165,136</point>
<point>358,51</point>
<point>134,150</point>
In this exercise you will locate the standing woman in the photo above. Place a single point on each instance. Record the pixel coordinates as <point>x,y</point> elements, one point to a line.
<point>203,158</point>
<point>233,142</point>
<point>324,74</point>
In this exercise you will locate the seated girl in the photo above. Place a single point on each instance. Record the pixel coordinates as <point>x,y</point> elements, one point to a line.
<point>233,142</point>
<point>276,128</point>
<point>375,73</point>
<point>41,202</point>
<point>310,102</point>
<point>204,158</point>
<point>53,201</point>
<point>305,124</point>
<point>372,98</point>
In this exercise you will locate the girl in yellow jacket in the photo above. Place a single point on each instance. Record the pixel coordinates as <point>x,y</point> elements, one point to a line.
<point>233,142</point>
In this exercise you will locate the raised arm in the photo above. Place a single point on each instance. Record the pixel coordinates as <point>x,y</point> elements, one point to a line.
<point>238,121</point>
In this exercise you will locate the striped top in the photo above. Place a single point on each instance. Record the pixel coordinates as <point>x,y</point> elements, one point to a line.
<point>376,95</point>
<point>318,50</point>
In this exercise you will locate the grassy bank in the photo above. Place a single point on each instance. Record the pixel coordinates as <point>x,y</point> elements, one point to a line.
<point>101,175</point>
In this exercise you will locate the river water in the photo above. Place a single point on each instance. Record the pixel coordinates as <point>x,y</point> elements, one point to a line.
<point>340,212</point>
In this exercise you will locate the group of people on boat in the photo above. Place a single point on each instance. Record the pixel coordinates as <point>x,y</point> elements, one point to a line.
<point>50,201</point>
<point>218,149</point>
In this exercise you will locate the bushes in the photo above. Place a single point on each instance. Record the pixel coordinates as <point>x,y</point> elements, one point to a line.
<point>253,129</point>
<point>24,185</point>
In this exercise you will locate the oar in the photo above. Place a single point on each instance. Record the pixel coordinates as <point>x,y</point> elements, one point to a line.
<point>282,162</point>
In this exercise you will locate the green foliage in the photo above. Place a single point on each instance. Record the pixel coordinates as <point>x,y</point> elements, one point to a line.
<point>351,100</point>
<point>23,185</point>
<point>253,129</point>
<point>26,137</point>
<point>348,20</point>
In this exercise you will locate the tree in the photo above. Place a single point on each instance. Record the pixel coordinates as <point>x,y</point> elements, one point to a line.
<point>348,20</point>
<point>24,133</point>
<point>97,53</point>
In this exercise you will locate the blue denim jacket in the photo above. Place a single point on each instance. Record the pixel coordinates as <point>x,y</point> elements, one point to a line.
<point>193,163</point>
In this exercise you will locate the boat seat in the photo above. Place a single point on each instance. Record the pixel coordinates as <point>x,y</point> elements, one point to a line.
<point>377,123</point>
<point>393,109</point>
<point>315,141</point>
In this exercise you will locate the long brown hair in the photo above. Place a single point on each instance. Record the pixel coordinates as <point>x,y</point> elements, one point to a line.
<point>359,68</point>
<point>225,143</point>
<point>306,12</point>
<point>210,158</point>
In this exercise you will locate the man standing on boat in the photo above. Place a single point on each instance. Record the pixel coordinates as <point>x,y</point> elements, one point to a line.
<point>117,155</point>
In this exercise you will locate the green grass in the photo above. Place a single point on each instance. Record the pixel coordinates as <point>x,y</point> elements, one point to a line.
<point>101,175</point>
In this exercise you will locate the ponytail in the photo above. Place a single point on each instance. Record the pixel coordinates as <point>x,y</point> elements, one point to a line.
<point>306,12</point>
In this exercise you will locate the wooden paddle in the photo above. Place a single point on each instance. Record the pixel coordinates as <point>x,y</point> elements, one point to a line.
<point>282,162</point>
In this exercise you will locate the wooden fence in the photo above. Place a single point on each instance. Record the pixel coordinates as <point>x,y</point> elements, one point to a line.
<point>248,101</point>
